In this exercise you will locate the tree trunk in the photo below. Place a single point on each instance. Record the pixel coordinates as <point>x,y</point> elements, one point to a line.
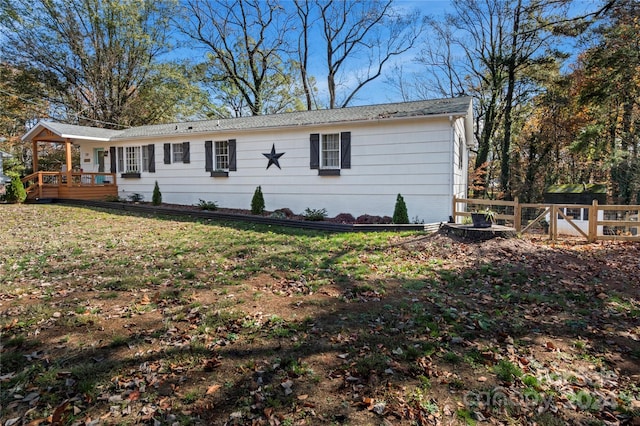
<point>508,106</point>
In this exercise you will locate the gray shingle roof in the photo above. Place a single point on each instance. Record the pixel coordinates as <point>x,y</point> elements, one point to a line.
<point>455,106</point>
<point>80,132</point>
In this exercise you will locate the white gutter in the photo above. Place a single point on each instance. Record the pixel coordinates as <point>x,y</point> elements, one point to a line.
<point>287,127</point>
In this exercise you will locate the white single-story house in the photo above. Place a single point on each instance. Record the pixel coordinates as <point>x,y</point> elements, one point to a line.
<point>352,160</point>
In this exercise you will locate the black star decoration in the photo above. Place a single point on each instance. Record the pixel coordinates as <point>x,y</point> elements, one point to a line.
<point>273,157</point>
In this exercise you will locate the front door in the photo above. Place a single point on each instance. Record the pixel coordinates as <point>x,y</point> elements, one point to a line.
<point>99,162</point>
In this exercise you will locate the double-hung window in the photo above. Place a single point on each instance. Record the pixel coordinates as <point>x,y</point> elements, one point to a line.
<point>145,158</point>
<point>121,168</point>
<point>221,155</point>
<point>330,151</point>
<point>176,153</point>
<point>177,149</point>
<point>132,159</point>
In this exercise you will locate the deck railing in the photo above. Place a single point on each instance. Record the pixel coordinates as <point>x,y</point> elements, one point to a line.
<point>81,185</point>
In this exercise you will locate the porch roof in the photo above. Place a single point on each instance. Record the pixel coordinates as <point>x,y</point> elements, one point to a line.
<point>59,132</point>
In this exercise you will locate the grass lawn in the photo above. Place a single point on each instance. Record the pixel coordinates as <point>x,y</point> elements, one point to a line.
<point>112,318</point>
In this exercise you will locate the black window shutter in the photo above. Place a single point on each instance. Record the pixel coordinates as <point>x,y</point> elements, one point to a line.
<point>167,153</point>
<point>186,155</point>
<point>151,151</point>
<point>113,159</point>
<point>208,156</point>
<point>121,160</point>
<point>314,140</point>
<point>232,155</point>
<point>345,149</point>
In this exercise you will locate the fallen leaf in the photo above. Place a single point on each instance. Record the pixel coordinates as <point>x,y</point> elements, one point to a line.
<point>31,396</point>
<point>56,417</point>
<point>366,402</point>
<point>211,364</point>
<point>213,389</point>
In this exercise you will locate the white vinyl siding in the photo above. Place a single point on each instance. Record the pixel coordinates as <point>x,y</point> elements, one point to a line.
<point>412,157</point>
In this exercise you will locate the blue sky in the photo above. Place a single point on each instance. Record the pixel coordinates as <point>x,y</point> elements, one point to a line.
<point>378,91</point>
<point>374,92</point>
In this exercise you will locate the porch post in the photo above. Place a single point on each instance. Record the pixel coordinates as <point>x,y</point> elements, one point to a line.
<point>67,146</point>
<point>34,155</point>
<point>68,149</point>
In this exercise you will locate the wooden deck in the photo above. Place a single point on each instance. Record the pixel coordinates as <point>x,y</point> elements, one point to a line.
<point>70,186</point>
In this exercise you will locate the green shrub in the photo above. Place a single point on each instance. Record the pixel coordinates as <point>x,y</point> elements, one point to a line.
<point>400,214</point>
<point>156,198</point>
<point>135,197</point>
<point>15,192</point>
<point>507,371</point>
<point>315,214</point>
<point>257,202</point>
<point>278,215</point>
<point>207,205</point>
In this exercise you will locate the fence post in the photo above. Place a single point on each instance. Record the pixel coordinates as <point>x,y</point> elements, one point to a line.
<point>553,222</point>
<point>593,221</point>
<point>453,211</point>
<point>517,215</point>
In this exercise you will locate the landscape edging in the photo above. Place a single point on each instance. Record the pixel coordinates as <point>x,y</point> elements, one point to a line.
<point>263,220</point>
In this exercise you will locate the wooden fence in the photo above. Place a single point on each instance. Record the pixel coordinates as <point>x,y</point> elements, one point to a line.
<point>590,221</point>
